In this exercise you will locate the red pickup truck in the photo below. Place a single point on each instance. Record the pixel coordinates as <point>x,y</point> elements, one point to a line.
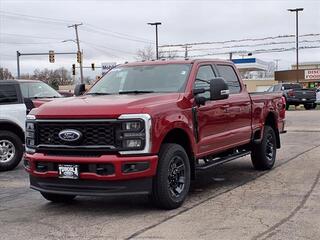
<point>148,128</point>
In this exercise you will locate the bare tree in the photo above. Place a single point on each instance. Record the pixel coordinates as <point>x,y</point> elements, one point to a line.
<point>5,74</point>
<point>146,53</point>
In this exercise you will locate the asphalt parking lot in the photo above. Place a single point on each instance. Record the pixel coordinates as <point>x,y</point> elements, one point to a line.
<point>232,201</point>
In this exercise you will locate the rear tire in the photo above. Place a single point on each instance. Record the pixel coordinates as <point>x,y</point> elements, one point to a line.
<point>57,198</point>
<point>11,150</point>
<point>172,182</point>
<point>263,155</point>
<point>309,106</point>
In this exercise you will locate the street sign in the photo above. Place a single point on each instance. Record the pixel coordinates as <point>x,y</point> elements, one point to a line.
<point>107,66</point>
<point>313,74</point>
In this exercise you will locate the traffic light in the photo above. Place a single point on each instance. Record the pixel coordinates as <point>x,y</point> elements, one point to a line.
<point>51,56</point>
<point>73,69</point>
<point>79,57</point>
<point>92,66</point>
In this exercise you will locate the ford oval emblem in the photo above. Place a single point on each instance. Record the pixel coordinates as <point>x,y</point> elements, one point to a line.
<point>70,135</point>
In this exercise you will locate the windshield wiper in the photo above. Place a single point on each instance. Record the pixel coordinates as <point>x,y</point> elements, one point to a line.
<point>98,93</point>
<point>135,91</point>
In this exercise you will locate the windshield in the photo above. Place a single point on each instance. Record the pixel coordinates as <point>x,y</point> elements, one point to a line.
<point>143,79</point>
<point>38,90</point>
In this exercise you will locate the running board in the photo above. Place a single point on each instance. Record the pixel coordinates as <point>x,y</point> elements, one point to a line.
<point>221,160</point>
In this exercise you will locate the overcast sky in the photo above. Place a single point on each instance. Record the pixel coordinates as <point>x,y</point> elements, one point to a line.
<point>114,30</point>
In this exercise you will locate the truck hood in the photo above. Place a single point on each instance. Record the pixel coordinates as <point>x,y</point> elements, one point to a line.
<point>107,106</point>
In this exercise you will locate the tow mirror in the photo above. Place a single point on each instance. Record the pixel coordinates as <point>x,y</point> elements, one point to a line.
<point>79,89</point>
<point>218,89</point>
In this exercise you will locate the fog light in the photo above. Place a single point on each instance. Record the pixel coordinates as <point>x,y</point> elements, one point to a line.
<point>135,167</point>
<point>132,143</point>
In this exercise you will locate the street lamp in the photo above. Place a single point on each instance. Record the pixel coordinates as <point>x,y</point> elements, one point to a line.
<point>297,10</point>
<point>156,24</point>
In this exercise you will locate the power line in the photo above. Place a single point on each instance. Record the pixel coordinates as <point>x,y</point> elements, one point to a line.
<point>246,45</point>
<point>89,27</point>
<point>241,40</point>
<point>29,36</point>
<point>258,51</point>
<point>114,35</point>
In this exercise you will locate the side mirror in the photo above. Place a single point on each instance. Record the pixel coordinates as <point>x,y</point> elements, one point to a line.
<point>218,89</point>
<point>79,89</point>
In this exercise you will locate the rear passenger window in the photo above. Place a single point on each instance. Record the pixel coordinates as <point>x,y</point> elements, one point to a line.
<point>8,94</point>
<point>204,75</point>
<point>229,75</point>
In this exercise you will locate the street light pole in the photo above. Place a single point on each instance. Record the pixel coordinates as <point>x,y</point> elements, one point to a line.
<point>297,10</point>
<point>75,26</point>
<point>156,24</point>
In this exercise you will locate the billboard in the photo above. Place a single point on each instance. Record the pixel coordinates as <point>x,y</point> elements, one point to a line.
<point>105,67</point>
<point>313,74</point>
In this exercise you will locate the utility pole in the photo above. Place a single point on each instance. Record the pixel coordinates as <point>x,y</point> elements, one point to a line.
<point>186,47</point>
<point>18,64</point>
<point>75,26</point>
<point>156,24</point>
<point>297,10</point>
<point>277,63</point>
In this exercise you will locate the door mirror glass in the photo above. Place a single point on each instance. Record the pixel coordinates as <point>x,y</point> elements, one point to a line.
<point>79,89</point>
<point>219,89</point>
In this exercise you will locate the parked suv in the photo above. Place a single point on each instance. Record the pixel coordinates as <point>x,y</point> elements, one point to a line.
<point>12,124</point>
<point>296,95</point>
<point>17,98</point>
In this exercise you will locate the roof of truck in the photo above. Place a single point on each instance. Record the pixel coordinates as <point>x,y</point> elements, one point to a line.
<point>176,61</point>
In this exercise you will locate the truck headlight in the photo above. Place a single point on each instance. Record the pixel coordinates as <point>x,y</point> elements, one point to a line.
<point>135,135</point>
<point>132,126</point>
<point>30,134</point>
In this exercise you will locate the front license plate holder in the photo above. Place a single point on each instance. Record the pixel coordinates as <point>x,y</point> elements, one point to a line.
<point>68,171</point>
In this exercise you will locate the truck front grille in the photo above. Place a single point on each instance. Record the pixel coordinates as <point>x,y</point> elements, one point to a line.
<point>93,133</point>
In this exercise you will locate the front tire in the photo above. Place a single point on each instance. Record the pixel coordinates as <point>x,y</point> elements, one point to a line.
<point>11,150</point>
<point>58,198</point>
<point>172,182</point>
<point>263,155</point>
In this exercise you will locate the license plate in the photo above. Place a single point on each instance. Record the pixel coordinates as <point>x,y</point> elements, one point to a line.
<point>303,99</point>
<point>68,171</point>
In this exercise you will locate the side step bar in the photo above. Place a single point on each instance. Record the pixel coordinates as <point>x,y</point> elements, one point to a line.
<point>203,167</point>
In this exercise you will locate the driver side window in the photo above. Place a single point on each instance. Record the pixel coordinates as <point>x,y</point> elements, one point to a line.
<point>204,75</point>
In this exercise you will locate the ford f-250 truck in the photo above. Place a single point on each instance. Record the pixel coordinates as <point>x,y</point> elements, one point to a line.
<point>148,128</point>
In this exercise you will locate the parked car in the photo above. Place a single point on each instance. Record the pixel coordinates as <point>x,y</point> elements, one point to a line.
<point>296,95</point>
<point>12,124</point>
<point>148,128</point>
<point>17,98</point>
<point>36,92</point>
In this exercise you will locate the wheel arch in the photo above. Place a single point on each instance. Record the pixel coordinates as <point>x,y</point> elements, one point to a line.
<point>271,120</point>
<point>181,137</point>
<point>12,127</point>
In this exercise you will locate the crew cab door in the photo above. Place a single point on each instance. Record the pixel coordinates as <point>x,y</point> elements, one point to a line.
<point>238,107</point>
<point>212,117</point>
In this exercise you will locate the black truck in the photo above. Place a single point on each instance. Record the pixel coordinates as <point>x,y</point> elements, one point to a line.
<point>296,95</point>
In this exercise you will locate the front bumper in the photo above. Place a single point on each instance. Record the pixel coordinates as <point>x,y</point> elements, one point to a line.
<point>141,186</point>
<point>89,182</point>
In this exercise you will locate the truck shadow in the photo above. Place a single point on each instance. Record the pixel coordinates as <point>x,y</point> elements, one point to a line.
<point>206,184</point>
